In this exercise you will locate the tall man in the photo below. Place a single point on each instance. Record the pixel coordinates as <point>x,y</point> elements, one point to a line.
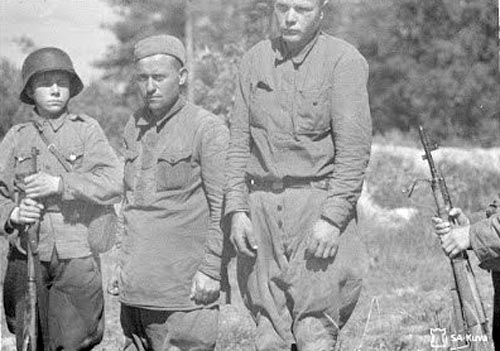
<point>174,175</point>
<point>299,147</point>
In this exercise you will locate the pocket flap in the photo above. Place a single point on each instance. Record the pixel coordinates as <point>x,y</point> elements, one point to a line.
<point>174,157</point>
<point>73,154</point>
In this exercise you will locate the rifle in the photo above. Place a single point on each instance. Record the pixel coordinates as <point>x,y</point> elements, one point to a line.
<point>469,317</point>
<point>30,325</point>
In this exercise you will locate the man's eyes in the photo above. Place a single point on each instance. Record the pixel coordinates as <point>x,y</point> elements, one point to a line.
<point>51,82</point>
<point>299,9</point>
<point>155,77</point>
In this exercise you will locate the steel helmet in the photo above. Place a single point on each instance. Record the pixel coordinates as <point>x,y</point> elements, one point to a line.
<point>44,60</point>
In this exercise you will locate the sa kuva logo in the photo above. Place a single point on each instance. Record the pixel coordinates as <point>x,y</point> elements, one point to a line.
<point>439,338</point>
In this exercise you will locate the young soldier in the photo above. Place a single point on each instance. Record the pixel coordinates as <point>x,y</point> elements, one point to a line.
<point>174,175</point>
<point>58,203</point>
<point>300,144</point>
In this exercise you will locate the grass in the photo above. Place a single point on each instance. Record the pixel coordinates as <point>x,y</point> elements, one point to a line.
<point>407,288</point>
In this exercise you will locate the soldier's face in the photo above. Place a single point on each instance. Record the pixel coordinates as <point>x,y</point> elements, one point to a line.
<point>50,91</point>
<point>159,78</point>
<point>298,20</point>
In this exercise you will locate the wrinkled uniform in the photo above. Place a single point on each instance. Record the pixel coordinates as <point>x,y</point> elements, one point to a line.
<point>302,121</point>
<point>71,300</point>
<point>485,241</point>
<point>174,178</point>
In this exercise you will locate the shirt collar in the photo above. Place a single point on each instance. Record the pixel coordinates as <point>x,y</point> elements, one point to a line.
<point>282,53</point>
<point>147,118</point>
<point>55,123</point>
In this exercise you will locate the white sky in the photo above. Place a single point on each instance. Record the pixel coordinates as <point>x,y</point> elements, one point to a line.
<point>72,25</point>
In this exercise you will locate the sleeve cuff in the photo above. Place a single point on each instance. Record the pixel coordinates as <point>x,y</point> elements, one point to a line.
<point>211,266</point>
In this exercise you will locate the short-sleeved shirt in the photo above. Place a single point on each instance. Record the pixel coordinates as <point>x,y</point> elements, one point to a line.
<point>300,117</point>
<point>174,178</point>
<point>96,178</point>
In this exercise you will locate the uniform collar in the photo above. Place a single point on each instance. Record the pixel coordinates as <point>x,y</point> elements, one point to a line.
<point>282,53</point>
<point>55,123</point>
<point>147,118</point>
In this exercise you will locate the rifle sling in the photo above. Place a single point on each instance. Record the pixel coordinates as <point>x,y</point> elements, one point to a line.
<point>52,148</point>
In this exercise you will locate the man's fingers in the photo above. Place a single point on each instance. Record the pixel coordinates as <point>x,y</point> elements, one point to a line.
<point>332,252</point>
<point>437,220</point>
<point>251,239</point>
<point>241,245</point>
<point>320,249</point>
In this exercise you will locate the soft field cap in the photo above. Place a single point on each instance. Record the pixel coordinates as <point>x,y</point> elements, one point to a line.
<point>160,44</point>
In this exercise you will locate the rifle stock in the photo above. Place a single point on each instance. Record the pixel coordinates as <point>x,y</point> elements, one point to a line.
<point>469,317</point>
<point>30,318</point>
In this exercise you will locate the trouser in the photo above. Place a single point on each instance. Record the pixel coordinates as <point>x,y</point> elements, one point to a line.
<point>70,302</point>
<point>151,330</point>
<point>294,299</point>
<point>496,309</point>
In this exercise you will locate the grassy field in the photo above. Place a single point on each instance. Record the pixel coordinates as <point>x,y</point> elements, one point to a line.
<point>407,289</point>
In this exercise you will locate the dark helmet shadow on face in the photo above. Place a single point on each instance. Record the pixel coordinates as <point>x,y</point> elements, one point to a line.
<point>45,60</point>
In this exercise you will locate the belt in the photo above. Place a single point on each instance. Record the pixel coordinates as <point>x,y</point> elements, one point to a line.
<point>279,185</point>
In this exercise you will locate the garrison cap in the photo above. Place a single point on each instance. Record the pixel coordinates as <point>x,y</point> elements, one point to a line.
<point>160,44</point>
<point>45,60</point>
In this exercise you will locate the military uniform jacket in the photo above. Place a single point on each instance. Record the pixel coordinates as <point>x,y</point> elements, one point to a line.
<point>96,178</point>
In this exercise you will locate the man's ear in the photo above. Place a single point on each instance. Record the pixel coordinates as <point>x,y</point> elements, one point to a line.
<point>183,76</point>
<point>29,90</point>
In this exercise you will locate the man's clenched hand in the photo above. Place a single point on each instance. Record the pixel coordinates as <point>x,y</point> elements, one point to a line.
<point>204,289</point>
<point>242,234</point>
<point>324,240</point>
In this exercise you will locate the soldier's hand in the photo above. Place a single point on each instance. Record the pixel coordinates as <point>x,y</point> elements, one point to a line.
<point>454,238</point>
<point>456,241</point>
<point>204,289</point>
<point>242,236</point>
<point>29,211</point>
<point>41,185</point>
<point>324,240</point>
<point>456,215</point>
<point>112,286</point>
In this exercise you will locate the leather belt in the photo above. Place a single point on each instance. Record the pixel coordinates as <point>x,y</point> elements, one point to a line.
<point>279,185</point>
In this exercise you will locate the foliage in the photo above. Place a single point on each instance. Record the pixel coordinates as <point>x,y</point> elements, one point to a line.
<point>12,110</point>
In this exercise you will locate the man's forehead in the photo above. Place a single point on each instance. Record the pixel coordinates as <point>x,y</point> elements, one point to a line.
<point>301,2</point>
<point>157,62</point>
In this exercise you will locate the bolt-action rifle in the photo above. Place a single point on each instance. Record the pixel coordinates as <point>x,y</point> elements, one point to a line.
<point>469,318</point>
<point>31,233</point>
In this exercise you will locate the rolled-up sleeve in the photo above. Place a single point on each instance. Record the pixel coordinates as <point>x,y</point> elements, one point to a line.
<point>239,145</point>
<point>351,132</point>
<point>485,240</point>
<point>101,177</point>
<point>213,148</point>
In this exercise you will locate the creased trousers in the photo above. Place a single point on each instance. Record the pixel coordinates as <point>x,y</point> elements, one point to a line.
<point>296,300</point>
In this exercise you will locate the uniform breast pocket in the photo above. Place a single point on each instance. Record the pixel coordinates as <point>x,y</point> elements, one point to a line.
<point>173,170</point>
<point>262,102</point>
<point>129,170</point>
<point>74,157</point>
<point>313,111</point>
<point>23,165</point>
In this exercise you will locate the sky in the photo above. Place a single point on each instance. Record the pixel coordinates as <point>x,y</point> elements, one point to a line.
<point>72,25</point>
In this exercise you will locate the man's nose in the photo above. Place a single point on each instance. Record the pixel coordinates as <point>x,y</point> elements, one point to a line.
<point>150,85</point>
<point>291,17</point>
<point>55,89</point>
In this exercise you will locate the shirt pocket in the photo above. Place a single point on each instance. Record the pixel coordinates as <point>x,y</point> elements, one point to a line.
<point>23,164</point>
<point>174,170</point>
<point>74,157</point>
<point>313,111</point>
<point>262,101</point>
<point>129,168</point>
